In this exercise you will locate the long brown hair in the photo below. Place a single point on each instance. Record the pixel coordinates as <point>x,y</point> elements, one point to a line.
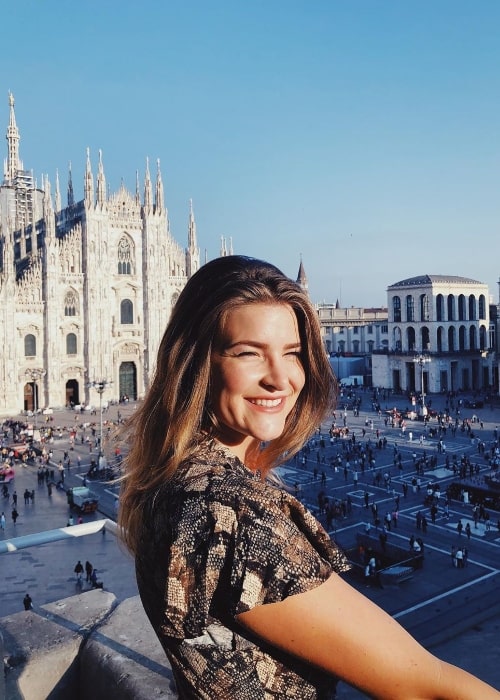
<point>175,413</point>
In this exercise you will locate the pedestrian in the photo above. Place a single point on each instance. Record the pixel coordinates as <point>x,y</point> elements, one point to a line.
<point>241,381</point>
<point>78,570</point>
<point>467,531</point>
<point>88,570</point>
<point>14,498</point>
<point>453,556</point>
<point>2,521</point>
<point>28,602</point>
<point>15,515</point>
<point>460,527</point>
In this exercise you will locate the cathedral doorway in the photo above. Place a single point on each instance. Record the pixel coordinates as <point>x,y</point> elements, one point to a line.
<point>72,393</point>
<point>29,396</point>
<point>128,381</point>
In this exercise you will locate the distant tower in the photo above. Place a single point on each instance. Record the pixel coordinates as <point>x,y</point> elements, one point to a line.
<point>12,164</point>
<point>302,277</point>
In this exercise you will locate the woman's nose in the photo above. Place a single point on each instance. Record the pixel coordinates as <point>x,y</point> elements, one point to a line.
<point>276,375</point>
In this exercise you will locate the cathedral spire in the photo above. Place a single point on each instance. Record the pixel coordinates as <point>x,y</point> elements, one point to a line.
<point>71,195</point>
<point>192,244</point>
<point>301,276</point>
<point>101,182</point>
<point>148,190</point>
<point>159,196</point>
<point>192,252</point>
<point>137,189</point>
<point>89,182</point>
<point>12,163</point>
<point>34,245</point>
<point>57,195</point>
<point>48,209</point>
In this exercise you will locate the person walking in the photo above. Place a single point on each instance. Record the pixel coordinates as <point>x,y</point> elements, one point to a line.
<point>88,571</point>
<point>15,515</point>
<point>28,602</point>
<point>78,570</point>
<point>2,521</point>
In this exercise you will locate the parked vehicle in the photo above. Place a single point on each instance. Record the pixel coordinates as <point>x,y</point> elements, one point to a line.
<point>473,403</point>
<point>82,499</point>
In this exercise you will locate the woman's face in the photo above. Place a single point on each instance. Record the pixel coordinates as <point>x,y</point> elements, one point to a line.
<point>257,375</point>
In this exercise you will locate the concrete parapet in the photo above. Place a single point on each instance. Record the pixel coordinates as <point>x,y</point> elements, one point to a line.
<point>85,646</point>
<point>123,659</point>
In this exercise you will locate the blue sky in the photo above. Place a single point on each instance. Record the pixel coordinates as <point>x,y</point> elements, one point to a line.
<point>363,135</point>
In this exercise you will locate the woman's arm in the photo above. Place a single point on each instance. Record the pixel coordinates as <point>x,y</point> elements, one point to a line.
<point>336,628</point>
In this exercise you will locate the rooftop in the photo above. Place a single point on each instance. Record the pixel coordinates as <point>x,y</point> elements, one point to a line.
<point>422,280</point>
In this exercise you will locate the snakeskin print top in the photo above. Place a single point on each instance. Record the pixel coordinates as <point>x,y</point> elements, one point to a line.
<point>216,541</point>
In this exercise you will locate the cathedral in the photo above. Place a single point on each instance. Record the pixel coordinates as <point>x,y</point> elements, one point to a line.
<point>86,289</point>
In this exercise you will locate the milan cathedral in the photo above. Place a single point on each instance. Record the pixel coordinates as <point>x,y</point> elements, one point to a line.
<point>86,289</point>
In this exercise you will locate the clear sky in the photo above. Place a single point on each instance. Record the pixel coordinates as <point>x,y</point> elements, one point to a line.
<point>363,135</point>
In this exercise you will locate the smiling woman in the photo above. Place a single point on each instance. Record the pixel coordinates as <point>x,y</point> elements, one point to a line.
<point>239,580</point>
<point>257,376</point>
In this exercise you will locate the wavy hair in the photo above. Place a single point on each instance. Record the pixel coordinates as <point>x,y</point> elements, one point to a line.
<point>175,414</point>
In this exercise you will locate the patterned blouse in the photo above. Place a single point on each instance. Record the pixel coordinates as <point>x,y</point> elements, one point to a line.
<point>216,541</point>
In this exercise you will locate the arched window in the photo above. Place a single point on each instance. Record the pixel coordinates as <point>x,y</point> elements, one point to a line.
<point>425,338</point>
<point>451,307</point>
<point>125,256</point>
<point>410,335</point>
<point>439,307</point>
<point>461,308</point>
<point>482,338</point>
<point>396,339</point>
<point>29,345</point>
<point>396,309</point>
<point>424,307</point>
<point>472,308</point>
<point>410,309</point>
<point>440,332</point>
<point>451,338</point>
<point>482,307</point>
<point>461,338</point>
<point>71,303</point>
<point>472,338</point>
<point>126,312</point>
<point>71,345</point>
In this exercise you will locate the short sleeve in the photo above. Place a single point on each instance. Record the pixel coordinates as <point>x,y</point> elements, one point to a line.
<point>275,555</point>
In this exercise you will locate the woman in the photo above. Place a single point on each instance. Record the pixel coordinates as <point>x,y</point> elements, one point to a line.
<point>240,582</point>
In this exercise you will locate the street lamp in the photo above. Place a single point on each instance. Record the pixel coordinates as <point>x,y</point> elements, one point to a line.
<point>338,355</point>
<point>100,386</point>
<point>35,373</point>
<point>422,360</point>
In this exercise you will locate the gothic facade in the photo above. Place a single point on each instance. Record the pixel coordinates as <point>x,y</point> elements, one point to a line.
<point>86,290</point>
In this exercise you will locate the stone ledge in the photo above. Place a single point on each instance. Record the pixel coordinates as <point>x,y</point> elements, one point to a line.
<point>85,646</point>
<point>123,659</point>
